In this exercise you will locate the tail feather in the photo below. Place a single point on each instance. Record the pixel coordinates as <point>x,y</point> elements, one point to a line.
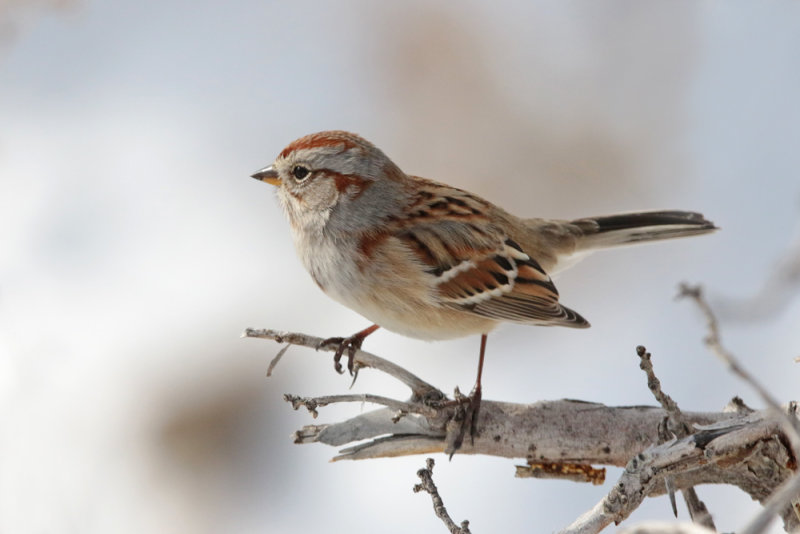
<point>625,228</point>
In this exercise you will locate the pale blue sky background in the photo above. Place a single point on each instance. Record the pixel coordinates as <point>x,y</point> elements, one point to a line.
<point>135,248</point>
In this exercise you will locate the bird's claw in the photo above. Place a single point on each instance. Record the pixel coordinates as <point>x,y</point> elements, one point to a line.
<point>351,344</point>
<point>465,418</point>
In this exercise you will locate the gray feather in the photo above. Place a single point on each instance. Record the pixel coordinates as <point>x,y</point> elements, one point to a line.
<point>622,229</point>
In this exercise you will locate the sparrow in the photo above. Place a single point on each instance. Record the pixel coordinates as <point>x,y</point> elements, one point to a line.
<point>428,260</point>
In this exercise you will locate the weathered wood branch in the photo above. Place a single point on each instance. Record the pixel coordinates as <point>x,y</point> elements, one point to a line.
<point>747,449</point>
<point>745,452</point>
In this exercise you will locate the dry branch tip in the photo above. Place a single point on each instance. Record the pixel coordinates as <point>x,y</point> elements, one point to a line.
<point>296,401</point>
<point>427,485</point>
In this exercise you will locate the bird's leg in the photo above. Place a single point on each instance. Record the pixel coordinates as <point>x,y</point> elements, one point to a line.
<point>351,344</point>
<point>476,394</point>
<point>473,404</point>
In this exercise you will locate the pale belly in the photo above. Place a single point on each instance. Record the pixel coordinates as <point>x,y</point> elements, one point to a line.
<point>426,322</point>
<point>395,299</point>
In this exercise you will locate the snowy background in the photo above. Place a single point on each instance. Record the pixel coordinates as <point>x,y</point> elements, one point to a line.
<point>134,247</point>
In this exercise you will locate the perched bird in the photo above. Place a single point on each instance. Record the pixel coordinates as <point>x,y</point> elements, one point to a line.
<point>428,260</point>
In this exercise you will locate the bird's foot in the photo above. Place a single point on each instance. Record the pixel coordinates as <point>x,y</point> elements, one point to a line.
<point>465,419</point>
<point>350,344</point>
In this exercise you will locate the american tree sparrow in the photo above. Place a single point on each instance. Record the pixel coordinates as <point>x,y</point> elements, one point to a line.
<point>432,261</point>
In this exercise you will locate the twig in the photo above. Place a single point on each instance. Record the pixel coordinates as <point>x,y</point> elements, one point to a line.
<point>789,491</point>
<point>697,509</point>
<point>419,388</point>
<point>714,342</point>
<point>654,384</point>
<point>312,403</point>
<point>277,358</point>
<point>675,423</point>
<point>427,485</point>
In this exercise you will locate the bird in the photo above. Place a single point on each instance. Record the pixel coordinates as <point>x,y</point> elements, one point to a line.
<point>428,260</point>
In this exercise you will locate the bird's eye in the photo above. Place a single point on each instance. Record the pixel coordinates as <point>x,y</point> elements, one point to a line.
<point>300,173</point>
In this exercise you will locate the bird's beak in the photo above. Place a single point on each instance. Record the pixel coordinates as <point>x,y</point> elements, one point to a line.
<point>269,175</point>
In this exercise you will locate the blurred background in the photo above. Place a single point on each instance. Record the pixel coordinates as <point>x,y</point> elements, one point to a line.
<point>134,247</point>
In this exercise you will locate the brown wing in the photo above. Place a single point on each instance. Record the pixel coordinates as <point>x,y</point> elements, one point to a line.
<point>477,268</point>
<point>508,286</point>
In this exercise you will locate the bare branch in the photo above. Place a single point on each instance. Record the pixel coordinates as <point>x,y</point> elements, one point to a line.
<point>781,499</point>
<point>654,384</point>
<point>419,387</point>
<point>312,403</point>
<point>714,342</point>
<point>748,449</point>
<point>676,424</point>
<point>277,358</point>
<point>427,485</point>
<point>547,431</point>
<point>683,460</point>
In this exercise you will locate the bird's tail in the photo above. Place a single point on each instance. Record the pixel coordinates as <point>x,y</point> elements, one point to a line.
<point>625,228</point>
